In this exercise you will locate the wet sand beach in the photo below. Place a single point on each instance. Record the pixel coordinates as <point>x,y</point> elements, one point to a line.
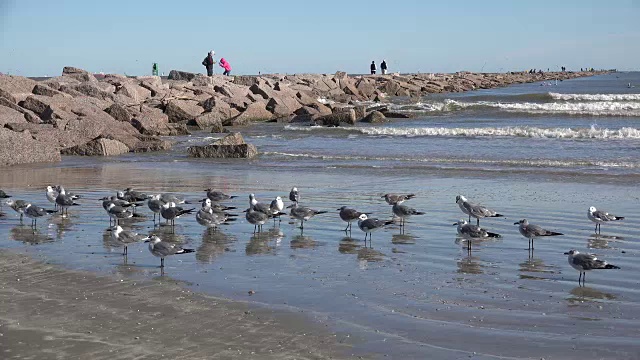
<point>52,313</point>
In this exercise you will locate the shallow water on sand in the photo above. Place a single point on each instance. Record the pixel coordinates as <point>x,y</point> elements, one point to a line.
<point>413,295</point>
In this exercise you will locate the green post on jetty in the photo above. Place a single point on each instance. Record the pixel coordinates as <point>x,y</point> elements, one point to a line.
<point>154,70</point>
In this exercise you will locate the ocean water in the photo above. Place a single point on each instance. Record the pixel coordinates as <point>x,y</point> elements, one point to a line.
<point>545,152</point>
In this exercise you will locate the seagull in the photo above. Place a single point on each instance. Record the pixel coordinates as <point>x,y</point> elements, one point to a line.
<point>155,205</point>
<point>403,212</point>
<point>294,196</point>
<point>599,216</point>
<point>34,212</point>
<point>258,206</point>
<point>17,206</point>
<point>65,200</point>
<point>162,249</point>
<point>303,213</point>
<point>586,262</point>
<point>118,212</point>
<point>475,210</point>
<point>124,237</point>
<point>3,195</point>
<point>531,231</point>
<point>106,201</point>
<point>473,232</point>
<point>276,207</point>
<point>133,196</point>
<point>170,211</point>
<point>393,199</point>
<point>349,215</point>
<point>211,217</point>
<point>51,195</point>
<point>369,225</point>
<point>218,196</point>
<point>168,198</point>
<point>257,218</point>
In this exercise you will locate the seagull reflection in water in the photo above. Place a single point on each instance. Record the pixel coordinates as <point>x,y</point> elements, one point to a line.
<point>28,235</point>
<point>213,245</point>
<point>581,294</point>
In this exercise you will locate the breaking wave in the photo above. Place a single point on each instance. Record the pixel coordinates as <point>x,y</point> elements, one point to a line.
<point>511,131</point>
<point>595,97</point>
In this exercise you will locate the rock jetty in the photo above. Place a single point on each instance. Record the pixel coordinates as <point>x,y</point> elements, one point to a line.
<point>77,114</point>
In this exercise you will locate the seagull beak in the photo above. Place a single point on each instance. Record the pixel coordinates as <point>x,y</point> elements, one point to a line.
<point>454,224</point>
<point>109,229</point>
<point>566,253</point>
<point>147,239</point>
<point>201,201</point>
<point>516,223</point>
<point>291,207</point>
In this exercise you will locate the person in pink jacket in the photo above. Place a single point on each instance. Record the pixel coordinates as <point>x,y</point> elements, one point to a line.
<point>225,64</point>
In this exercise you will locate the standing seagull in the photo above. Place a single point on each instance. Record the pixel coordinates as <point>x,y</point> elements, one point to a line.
<point>118,213</point>
<point>393,199</point>
<point>599,216</point>
<point>257,218</point>
<point>17,206</point>
<point>586,262</point>
<point>210,217</point>
<point>218,196</point>
<point>349,215</point>
<point>370,225</point>
<point>34,212</point>
<point>475,210</point>
<point>403,212</point>
<point>276,207</point>
<point>171,212</point>
<point>65,200</point>
<point>303,214</point>
<point>51,195</point>
<point>473,232</point>
<point>258,206</point>
<point>163,249</point>
<point>531,231</point>
<point>155,205</point>
<point>294,195</point>
<point>124,237</point>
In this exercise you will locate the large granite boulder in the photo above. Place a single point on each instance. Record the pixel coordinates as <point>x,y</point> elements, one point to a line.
<point>9,115</point>
<point>45,90</point>
<point>98,147</point>
<point>29,115</point>
<point>118,112</point>
<point>22,148</point>
<point>183,110</point>
<point>231,146</point>
<point>134,91</point>
<point>375,117</point>
<point>181,75</point>
<point>151,121</point>
<point>16,88</point>
<point>336,119</point>
<point>78,74</point>
<point>254,112</point>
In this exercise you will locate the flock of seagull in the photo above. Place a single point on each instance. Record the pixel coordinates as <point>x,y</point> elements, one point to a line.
<point>212,214</point>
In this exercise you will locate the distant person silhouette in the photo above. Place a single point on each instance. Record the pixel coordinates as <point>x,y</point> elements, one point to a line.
<point>383,66</point>
<point>373,68</point>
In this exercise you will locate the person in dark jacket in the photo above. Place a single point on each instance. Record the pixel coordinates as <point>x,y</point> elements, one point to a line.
<point>209,62</point>
<point>373,68</point>
<point>383,66</point>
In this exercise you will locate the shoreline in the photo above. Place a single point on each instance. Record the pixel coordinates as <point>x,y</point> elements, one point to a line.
<point>52,312</point>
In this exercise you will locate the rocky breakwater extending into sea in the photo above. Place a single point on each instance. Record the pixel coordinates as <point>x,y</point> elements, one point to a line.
<point>78,114</point>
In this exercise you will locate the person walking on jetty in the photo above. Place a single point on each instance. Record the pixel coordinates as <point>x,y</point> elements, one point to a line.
<point>383,67</point>
<point>373,68</point>
<point>209,62</point>
<point>227,68</point>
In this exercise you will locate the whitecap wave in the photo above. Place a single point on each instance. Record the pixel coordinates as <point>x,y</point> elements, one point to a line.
<point>510,131</point>
<point>595,97</point>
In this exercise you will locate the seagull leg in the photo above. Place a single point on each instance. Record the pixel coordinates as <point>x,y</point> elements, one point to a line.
<point>162,262</point>
<point>477,221</point>
<point>347,228</point>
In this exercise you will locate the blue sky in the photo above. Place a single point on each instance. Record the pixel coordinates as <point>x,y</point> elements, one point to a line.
<point>39,37</point>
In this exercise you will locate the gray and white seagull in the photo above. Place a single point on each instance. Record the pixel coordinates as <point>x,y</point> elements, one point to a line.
<point>531,231</point>
<point>162,249</point>
<point>473,232</point>
<point>586,262</point>
<point>599,217</point>
<point>475,210</point>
